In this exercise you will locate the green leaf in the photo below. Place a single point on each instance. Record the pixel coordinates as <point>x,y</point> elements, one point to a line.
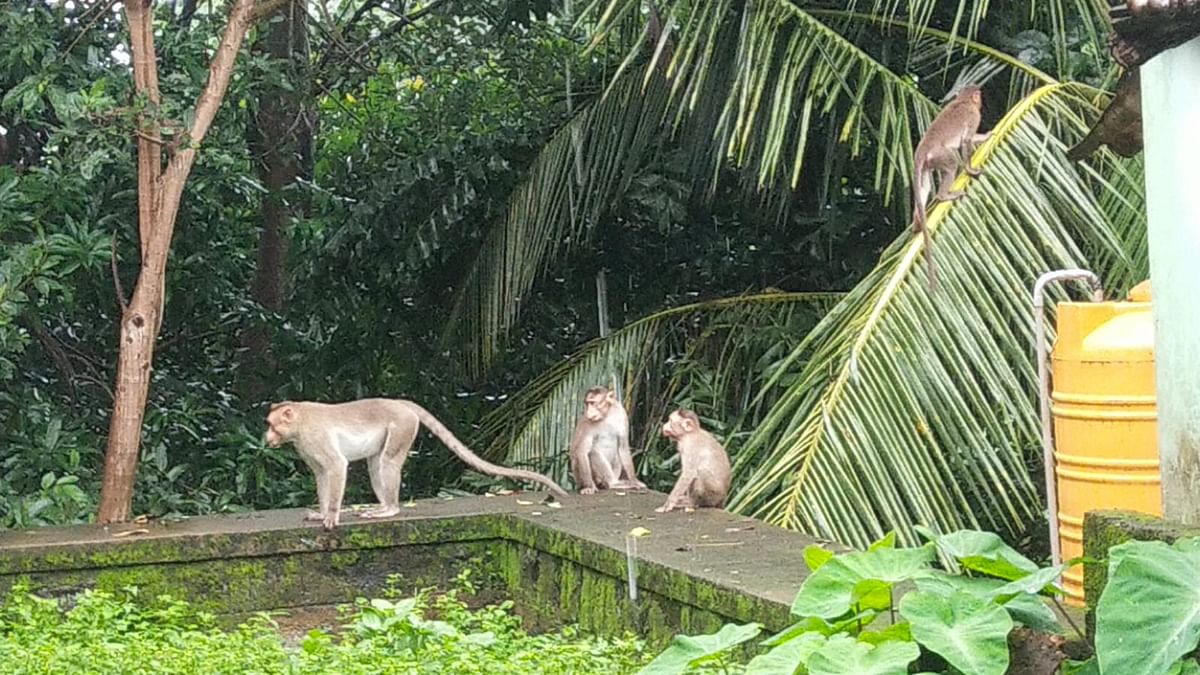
<point>820,626</point>
<point>1027,610</point>
<point>843,655</point>
<point>785,658</point>
<point>900,631</point>
<point>1088,667</point>
<point>970,633</point>
<point>888,541</point>
<point>985,552</point>
<point>1148,616</point>
<point>1187,666</point>
<point>831,591</point>
<point>687,650</point>
<point>1036,582</point>
<point>815,555</point>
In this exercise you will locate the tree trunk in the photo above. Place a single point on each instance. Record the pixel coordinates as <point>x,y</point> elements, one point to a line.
<point>280,138</point>
<point>159,192</point>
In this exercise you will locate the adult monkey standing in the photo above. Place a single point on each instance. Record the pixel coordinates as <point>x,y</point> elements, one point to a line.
<point>946,146</point>
<point>704,473</point>
<point>329,436</point>
<point>600,456</point>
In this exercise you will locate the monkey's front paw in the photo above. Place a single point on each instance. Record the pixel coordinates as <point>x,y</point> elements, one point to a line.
<point>587,491</point>
<point>330,521</point>
<point>664,508</point>
<point>314,515</point>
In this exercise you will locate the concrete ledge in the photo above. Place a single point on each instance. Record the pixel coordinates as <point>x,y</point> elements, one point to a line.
<point>1105,529</point>
<point>567,565</point>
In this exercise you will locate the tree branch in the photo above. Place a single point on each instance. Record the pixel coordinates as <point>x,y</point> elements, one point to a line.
<point>122,300</point>
<point>219,72</point>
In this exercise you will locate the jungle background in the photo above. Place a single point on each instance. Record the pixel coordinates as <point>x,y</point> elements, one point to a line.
<point>436,200</point>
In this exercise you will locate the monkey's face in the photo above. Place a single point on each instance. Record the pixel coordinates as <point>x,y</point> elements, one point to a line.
<point>279,425</point>
<point>677,425</point>
<point>596,406</point>
<point>673,428</point>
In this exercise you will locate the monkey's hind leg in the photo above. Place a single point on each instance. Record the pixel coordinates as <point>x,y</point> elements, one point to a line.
<point>385,470</point>
<point>602,470</point>
<point>945,180</point>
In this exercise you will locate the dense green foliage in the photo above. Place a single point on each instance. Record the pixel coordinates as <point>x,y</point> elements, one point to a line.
<point>1146,619</point>
<point>103,633</point>
<point>414,157</point>
<point>468,172</point>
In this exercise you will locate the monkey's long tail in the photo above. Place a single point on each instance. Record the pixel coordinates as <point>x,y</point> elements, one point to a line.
<point>475,461</point>
<point>921,190</point>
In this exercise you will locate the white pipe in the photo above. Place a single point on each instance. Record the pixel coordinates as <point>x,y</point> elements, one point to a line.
<point>631,565</point>
<point>1039,331</point>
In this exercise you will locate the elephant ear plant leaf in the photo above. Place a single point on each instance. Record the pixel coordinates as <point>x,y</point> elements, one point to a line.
<point>969,632</point>
<point>687,650</point>
<point>1148,617</point>
<point>965,620</point>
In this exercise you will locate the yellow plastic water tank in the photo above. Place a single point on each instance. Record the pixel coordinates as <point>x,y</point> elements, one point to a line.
<point>1103,406</point>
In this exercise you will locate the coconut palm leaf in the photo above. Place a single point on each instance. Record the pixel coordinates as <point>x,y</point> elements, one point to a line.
<point>534,427</point>
<point>554,209</point>
<point>907,406</point>
<point>795,65</point>
<point>753,85</point>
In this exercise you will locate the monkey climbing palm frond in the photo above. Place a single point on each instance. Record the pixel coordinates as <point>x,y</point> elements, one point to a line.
<point>747,90</point>
<point>534,427</point>
<point>909,407</point>
<point>778,68</point>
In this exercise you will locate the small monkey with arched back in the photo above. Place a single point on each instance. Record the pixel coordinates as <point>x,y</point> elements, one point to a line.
<point>329,436</point>
<point>600,456</point>
<point>946,146</point>
<point>704,474</point>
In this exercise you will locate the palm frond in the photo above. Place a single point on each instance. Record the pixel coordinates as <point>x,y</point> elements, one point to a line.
<point>534,427</point>
<point>554,209</point>
<point>907,406</point>
<point>794,66</point>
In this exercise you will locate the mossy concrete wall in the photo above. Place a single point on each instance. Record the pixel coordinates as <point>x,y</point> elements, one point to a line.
<point>695,571</point>
<point>1104,529</point>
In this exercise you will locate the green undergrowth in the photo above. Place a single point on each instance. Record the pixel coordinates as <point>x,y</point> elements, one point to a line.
<point>121,633</point>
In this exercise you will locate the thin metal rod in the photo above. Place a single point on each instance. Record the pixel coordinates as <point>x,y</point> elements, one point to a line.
<point>1043,364</point>
<point>631,565</point>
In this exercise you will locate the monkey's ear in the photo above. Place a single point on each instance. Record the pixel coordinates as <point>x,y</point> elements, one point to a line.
<point>287,414</point>
<point>611,396</point>
<point>688,423</point>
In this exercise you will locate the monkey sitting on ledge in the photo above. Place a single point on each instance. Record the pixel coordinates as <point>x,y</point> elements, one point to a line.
<point>704,474</point>
<point>329,436</point>
<point>599,454</point>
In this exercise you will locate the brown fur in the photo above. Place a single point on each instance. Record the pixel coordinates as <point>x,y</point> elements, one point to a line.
<point>946,146</point>
<point>599,454</point>
<point>704,476</point>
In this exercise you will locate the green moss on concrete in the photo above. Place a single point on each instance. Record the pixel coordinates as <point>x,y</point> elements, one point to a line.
<point>1104,529</point>
<point>555,577</point>
<point>568,582</point>
<point>341,561</point>
<point>364,538</point>
<point>599,609</point>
